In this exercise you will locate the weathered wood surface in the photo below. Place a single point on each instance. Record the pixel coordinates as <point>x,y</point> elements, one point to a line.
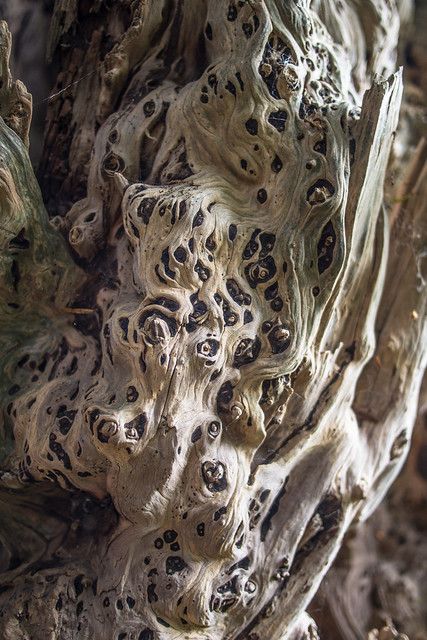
<point>214,351</point>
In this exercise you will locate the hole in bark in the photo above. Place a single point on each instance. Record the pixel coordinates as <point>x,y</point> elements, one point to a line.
<point>279,339</point>
<point>225,395</point>
<point>325,247</point>
<point>165,260</point>
<point>271,292</point>
<point>214,429</point>
<point>208,31</point>
<point>277,304</point>
<point>180,254</point>
<point>274,508</point>
<point>231,13</point>
<point>208,348</point>
<point>261,271</point>
<point>197,434</point>
<point>277,119</point>
<point>320,191</point>
<point>247,29</point>
<point>277,164</point>
<point>247,317</point>
<point>19,241</point>
<point>252,126</point>
<point>247,351</point>
<point>320,146</point>
<point>136,427</point>
<point>231,88</point>
<point>113,163</point>
<point>261,196</point>
<point>170,536</point>
<point>277,55</point>
<point>175,564</point>
<point>215,475</point>
<point>198,219</point>
<point>252,246</point>
<point>149,108</point>
<point>145,209</point>
<point>232,232</point>
<point>131,394</point>
<point>237,294</point>
<point>267,243</point>
<point>202,271</point>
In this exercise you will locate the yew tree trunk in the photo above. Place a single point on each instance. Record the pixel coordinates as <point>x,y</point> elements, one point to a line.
<point>213,321</point>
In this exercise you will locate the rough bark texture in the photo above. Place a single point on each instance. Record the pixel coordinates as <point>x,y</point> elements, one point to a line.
<point>212,353</point>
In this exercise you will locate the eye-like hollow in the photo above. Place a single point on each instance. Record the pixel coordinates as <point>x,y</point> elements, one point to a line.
<point>279,338</point>
<point>260,271</point>
<point>237,294</point>
<point>215,475</point>
<point>134,430</point>
<point>113,163</point>
<point>208,348</point>
<point>320,191</point>
<point>225,395</point>
<point>131,434</point>
<point>105,429</point>
<point>214,429</point>
<point>325,247</point>
<point>247,351</point>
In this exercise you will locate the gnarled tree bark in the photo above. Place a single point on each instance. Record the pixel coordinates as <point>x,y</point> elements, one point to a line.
<point>212,346</point>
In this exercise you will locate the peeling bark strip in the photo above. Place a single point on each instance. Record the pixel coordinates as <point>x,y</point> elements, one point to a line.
<point>208,373</point>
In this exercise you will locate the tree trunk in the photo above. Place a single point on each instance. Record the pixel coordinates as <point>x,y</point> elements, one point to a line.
<point>212,319</point>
